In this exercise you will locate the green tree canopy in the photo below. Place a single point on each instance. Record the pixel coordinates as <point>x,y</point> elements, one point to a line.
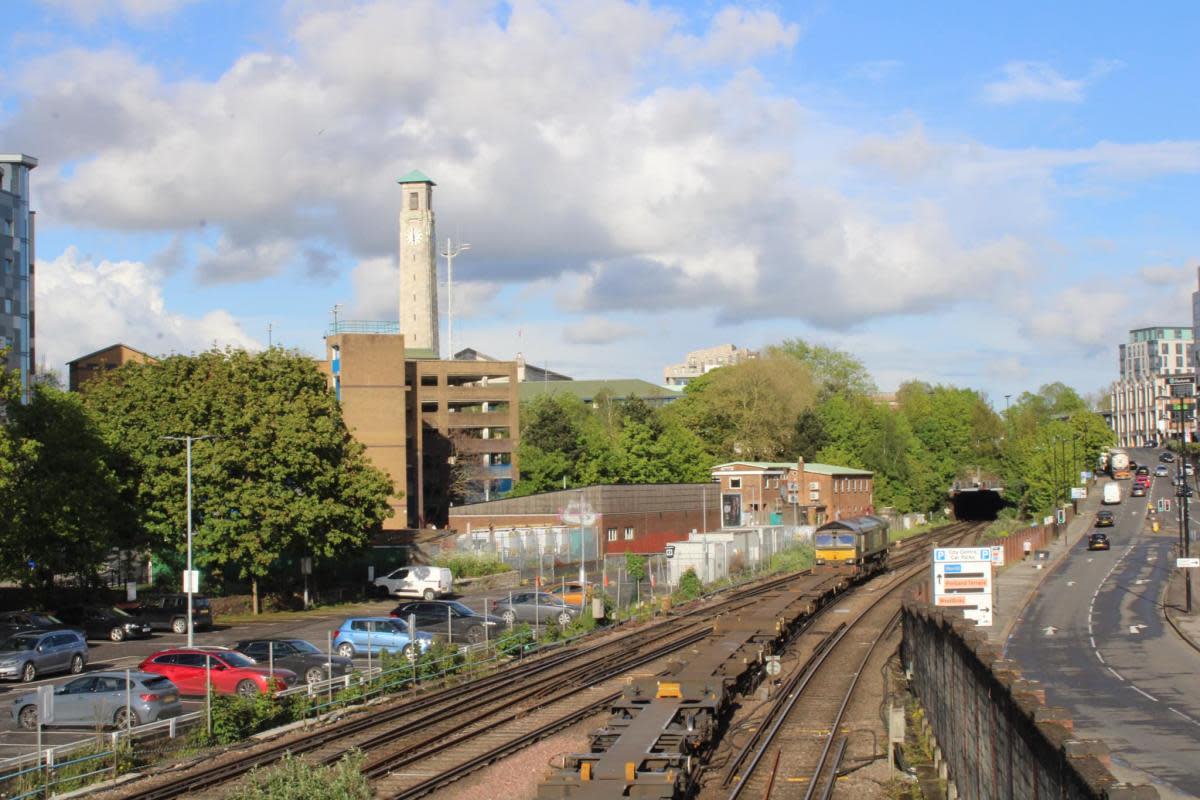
<point>283,478</point>
<point>834,371</point>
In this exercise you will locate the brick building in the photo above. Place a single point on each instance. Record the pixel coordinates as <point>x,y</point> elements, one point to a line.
<point>576,523</point>
<point>786,493</point>
<point>86,368</point>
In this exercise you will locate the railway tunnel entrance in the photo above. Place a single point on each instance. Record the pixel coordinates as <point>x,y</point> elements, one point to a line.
<point>977,498</point>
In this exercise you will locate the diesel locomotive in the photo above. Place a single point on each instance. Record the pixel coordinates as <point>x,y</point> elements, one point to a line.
<point>856,546</point>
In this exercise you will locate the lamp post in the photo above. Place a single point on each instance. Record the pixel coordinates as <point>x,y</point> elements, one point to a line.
<point>188,584</point>
<point>449,253</point>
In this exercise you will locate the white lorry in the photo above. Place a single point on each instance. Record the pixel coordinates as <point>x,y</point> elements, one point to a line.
<point>1112,493</point>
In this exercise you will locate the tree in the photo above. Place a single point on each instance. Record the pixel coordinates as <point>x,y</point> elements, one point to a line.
<point>63,505</point>
<point>748,410</point>
<point>282,479</point>
<point>834,371</point>
<point>635,567</point>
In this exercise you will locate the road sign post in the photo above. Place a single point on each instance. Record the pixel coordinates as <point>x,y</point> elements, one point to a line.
<point>962,578</point>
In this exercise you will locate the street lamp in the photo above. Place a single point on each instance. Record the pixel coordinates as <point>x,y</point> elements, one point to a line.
<point>189,585</point>
<point>449,253</point>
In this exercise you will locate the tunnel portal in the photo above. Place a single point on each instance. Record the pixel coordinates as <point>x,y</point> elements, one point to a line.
<point>977,498</point>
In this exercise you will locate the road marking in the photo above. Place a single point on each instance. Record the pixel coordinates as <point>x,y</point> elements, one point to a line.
<point>1140,581</point>
<point>1136,629</point>
<point>1185,716</point>
<point>1093,642</point>
<point>1049,630</point>
<point>1100,657</point>
<point>1070,583</point>
<point>1116,674</point>
<point>1143,694</point>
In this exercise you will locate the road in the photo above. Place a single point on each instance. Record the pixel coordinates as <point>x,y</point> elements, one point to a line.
<point>1094,636</point>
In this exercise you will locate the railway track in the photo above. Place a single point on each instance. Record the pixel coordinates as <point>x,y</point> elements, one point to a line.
<point>800,740</point>
<point>462,715</point>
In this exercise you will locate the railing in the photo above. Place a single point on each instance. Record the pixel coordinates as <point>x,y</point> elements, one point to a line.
<point>363,326</point>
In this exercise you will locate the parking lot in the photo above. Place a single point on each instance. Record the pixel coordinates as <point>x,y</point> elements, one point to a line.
<point>105,655</point>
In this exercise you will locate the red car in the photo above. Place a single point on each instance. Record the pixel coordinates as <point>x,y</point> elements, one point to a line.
<point>1142,481</point>
<point>188,668</point>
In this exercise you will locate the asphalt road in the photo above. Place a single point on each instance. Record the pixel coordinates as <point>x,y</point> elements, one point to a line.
<point>1095,637</point>
<point>105,655</point>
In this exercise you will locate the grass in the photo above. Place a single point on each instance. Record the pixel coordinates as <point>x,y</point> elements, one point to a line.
<point>896,534</point>
<point>284,616</point>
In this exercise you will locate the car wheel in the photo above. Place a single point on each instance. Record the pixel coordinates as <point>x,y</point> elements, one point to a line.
<point>123,718</point>
<point>475,634</point>
<point>179,625</point>
<point>76,664</point>
<point>428,594</point>
<point>28,718</point>
<point>247,688</point>
<point>564,619</point>
<point>28,673</point>
<point>346,650</point>
<point>509,616</point>
<point>117,634</point>
<point>314,675</point>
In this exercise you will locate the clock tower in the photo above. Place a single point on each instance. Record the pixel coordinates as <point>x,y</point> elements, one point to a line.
<point>418,264</point>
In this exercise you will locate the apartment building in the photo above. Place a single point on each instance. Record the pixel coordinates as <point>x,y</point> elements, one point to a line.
<point>1142,403</point>
<point>699,362</point>
<point>17,329</point>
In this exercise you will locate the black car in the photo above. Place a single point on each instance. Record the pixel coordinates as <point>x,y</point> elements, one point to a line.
<point>1104,519</point>
<point>1138,491</point>
<point>1143,470</point>
<point>168,612</point>
<point>1167,456</point>
<point>449,619</point>
<point>100,622</point>
<point>301,657</point>
<point>1098,541</point>
<point>13,621</point>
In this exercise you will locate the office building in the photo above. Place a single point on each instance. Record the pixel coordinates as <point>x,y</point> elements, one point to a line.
<point>17,329</point>
<point>699,362</point>
<point>1141,399</point>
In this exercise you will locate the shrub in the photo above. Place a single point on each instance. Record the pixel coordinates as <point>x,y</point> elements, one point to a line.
<point>793,559</point>
<point>472,565</point>
<point>293,779</point>
<point>690,586</point>
<point>235,717</point>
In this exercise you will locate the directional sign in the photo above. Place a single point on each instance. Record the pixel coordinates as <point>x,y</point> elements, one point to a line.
<point>1187,563</point>
<point>962,578</point>
<point>997,555</point>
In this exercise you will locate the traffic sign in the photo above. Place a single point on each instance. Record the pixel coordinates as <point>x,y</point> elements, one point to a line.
<point>962,578</point>
<point>1187,563</point>
<point>997,555</point>
<point>773,666</point>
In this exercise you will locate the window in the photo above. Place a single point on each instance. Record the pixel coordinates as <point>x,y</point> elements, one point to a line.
<point>7,306</point>
<point>612,534</point>
<point>629,534</point>
<point>735,483</point>
<point>414,201</point>
<point>1179,361</point>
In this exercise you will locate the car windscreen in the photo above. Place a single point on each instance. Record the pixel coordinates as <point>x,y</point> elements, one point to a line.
<point>303,646</point>
<point>18,644</point>
<point>235,659</point>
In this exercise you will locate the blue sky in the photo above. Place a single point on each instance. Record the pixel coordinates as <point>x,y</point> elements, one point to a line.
<point>984,195</point>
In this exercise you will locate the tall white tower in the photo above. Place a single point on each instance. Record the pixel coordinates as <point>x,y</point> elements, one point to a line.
<point>418,264</point>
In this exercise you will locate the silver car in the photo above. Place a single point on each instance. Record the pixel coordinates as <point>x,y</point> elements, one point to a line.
<point>541,608</point>
<point>25,655</point>
<point>100,699</point>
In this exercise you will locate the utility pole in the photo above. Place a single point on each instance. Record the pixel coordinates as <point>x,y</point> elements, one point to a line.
<point>449,253</point>
<point>190,586</point>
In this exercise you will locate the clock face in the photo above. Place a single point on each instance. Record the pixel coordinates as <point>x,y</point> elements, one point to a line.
<point>414,234</point>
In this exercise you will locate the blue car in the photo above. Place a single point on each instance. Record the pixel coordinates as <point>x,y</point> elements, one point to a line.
<point>362,635</point>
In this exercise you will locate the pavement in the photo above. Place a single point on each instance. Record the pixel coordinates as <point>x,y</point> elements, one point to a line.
<point>1090,626</point>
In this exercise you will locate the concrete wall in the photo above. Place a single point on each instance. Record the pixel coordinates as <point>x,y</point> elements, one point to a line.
<point>995,734</point>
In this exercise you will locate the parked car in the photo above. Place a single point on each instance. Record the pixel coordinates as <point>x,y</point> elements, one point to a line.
<point>231,672</point>
<point>1188,470</point>
<point>1104,519</point>
<point>448,619</point>
<point>100,699</point>
<point>536,607</point>
<point>13,621</point>
<point>168,612</point>
<point>301,657</point>
<point>1098,541</point>
<point>98,622</point>
<point>572,593</point>
<point>428,583</point>
<point>362,635</point>
<point>1161,471</point>
<point>26,655</point>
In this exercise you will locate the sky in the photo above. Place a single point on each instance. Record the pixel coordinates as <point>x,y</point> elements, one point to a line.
<point>983,195</point>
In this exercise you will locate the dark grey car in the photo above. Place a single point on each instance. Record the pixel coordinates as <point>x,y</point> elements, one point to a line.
<point>448,619</point>
<point>24,656</point>
<point>301,657</point>
<point>100,699</point>
<point>541,608</point>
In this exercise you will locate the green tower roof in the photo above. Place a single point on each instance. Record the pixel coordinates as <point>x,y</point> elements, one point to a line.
<point>416,176</point>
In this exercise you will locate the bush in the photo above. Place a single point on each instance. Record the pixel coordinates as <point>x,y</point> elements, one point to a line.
<point>235,718</point>
<point>690,586</point>
<point>293,779</point>
<point>793,559</point>
<point>472,565</point>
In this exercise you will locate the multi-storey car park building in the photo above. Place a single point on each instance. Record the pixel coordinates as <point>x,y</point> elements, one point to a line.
<point>1141,398</point>
<point>16,266</point>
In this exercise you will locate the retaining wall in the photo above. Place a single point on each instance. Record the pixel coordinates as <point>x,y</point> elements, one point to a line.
<point>997,736</point>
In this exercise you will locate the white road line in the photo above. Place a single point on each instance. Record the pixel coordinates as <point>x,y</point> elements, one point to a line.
<point>1143,694</point>
<point>1181,714</point>
<point>1099,656</point>
<point>1116,674</point>
<point>1092,640</point>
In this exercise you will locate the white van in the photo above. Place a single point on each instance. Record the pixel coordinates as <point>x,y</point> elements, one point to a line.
<point>1112,493</point>
<point>428,583</point>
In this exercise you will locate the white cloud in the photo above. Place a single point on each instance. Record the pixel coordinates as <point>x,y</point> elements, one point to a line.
<point>1038,81</point>
<point>736,35</point>
<point>1079,315</point>
<point>598,330</point>
<point>89,11</point>
<point>83,306</point>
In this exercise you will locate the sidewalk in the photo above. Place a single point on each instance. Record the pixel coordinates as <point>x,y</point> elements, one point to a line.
<point>1017,583</point>
<point>1185,625</point>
